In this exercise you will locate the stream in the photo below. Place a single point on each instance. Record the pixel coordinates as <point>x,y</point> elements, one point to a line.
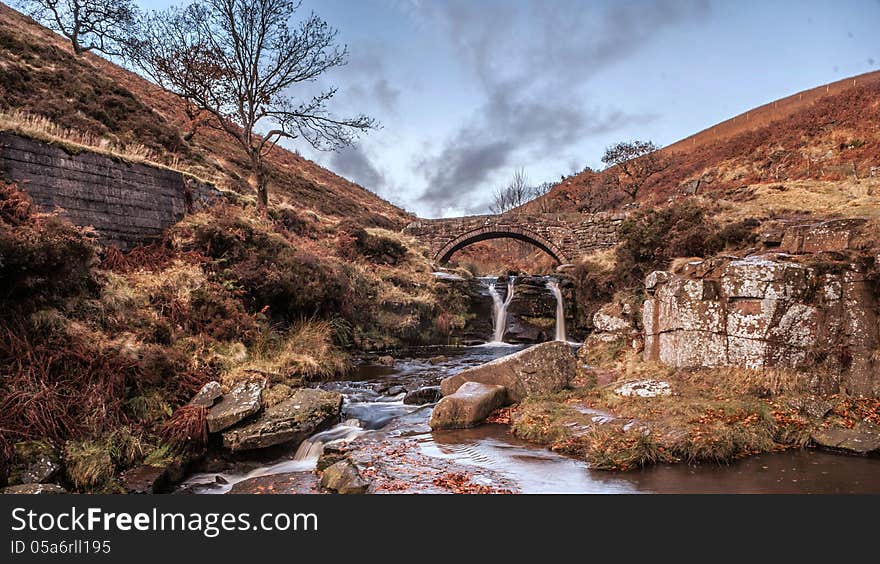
<point>373,400</point>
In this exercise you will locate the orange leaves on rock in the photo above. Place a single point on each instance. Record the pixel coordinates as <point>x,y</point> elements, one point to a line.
<point>500,416</point>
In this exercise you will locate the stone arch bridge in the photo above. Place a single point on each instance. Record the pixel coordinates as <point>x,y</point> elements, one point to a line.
<point>565,237</point>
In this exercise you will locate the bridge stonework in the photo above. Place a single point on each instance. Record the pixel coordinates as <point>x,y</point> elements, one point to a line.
<point>565,237</point>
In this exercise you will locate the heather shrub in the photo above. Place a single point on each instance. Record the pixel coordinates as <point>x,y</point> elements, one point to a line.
<point>43,259</point>
<point>357,243</point>
<point>651,238</point>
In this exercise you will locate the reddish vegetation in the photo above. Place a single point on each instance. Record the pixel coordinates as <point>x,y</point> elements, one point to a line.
<point>828,133</point>
<point>40,75</point>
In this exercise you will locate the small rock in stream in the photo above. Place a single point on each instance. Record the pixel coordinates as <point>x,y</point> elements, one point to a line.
<point>427,394</point>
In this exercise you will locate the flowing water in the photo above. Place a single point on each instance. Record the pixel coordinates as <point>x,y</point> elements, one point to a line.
<point>560,309</point>
<point>499,314</point>
<point>373,400</point>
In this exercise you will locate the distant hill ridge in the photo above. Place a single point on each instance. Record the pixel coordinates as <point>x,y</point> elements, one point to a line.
<point>778,109</point>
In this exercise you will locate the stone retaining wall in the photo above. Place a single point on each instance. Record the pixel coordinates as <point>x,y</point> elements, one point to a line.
<point>126,203</point>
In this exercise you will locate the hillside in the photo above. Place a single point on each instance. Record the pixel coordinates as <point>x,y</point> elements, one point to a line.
<point>817,138</point>
<point>39,75</point>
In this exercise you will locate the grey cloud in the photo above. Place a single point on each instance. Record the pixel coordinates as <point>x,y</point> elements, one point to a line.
<point>352,163</point>
<point>365,77</point>
<point>460,167</point>
<point>534,85</point>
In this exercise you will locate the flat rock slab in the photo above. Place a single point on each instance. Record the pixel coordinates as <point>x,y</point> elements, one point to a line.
<point>241,402</point>
<point>293,420</point>
<point>34,489</point>
<point>393,465</point>
<point>643,389</point>
<point>861,440</point>
<point>146,479</point>
<point>468,406</point>
<point>537,370</point>
<point>288,483</point>
<point>207,395</point>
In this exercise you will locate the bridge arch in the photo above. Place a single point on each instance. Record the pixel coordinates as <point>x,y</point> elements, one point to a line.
<point>499,232</point>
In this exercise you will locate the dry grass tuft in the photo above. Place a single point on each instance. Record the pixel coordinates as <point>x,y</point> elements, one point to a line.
<point>187,429</point>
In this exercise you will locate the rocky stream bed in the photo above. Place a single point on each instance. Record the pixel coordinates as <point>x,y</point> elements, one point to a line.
<point>384,444</point>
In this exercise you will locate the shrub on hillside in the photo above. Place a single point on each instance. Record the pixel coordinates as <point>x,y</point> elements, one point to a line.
<point>268,269</point>
<point>356,242</point>
<point>650,238</point>
<point>42,258</point>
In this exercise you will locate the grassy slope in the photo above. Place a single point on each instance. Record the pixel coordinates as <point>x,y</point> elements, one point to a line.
<point>818,135</point>
<point>40,75</point>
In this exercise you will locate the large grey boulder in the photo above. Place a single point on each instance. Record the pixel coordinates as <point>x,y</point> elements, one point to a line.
<point>468,406</point>
<point>539,369</point>
<point>293,420</point>
<point>242,401</point>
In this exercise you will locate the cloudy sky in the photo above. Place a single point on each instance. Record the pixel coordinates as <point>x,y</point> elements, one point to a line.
<point>467,91</point>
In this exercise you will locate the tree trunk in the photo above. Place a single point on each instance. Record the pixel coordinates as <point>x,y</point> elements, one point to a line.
<point>262,179</point>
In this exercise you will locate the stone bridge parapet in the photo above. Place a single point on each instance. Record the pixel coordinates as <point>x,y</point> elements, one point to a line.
<point>565,237</point>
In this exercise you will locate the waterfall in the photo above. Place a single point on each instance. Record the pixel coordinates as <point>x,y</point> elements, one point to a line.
<point>560,309</point>
<point>311,448</point>
<point>499,316</point>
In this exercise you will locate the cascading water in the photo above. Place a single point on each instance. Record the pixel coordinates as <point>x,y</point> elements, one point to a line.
<point>553,285</point>
<point>311,448</point>
<point>499,315</point>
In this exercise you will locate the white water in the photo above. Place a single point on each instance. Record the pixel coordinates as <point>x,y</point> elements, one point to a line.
<point>499,315</point>
<point>305,460</point>
<point>560,310</point>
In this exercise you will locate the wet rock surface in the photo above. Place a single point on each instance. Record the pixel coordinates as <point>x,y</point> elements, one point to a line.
<point>421,396</point>
<point>291,421</point>
<point>147,479</point>
<point>862,440</point>
<point>392,463</point>
<point>285,483</point>
<point>471,403</point>
<point>537,370</point>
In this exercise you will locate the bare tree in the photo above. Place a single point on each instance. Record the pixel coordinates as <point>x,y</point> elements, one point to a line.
<point>166,49</point>
<point>636,162</point>
<point>237,60</point>
<point>537,194</point>
<point>89,25</point>
<point>516,193</point>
